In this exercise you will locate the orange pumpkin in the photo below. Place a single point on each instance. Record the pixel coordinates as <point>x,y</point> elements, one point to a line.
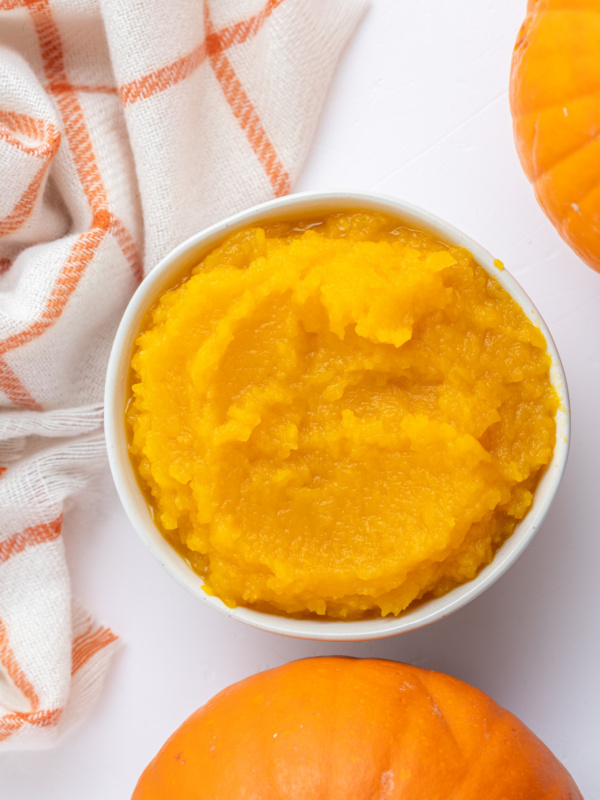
<point>346,729</point>
<point>555,102</point>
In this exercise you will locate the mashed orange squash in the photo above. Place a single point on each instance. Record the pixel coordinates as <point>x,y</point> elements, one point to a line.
<point>339,417</point>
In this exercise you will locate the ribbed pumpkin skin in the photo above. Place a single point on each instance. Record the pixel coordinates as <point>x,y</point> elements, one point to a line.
<point>555,103</point>
<point>353,729</point>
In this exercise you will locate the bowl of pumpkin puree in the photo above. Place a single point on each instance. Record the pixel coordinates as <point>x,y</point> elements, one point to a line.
<point>335,416</point>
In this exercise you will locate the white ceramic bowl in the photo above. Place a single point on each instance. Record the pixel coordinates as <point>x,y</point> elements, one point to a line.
<point>188,255</point>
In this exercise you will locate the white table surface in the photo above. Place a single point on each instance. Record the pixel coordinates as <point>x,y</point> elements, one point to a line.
<point>418,109</point>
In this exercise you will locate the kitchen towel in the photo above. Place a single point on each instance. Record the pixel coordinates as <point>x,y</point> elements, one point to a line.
<point>125,127</point>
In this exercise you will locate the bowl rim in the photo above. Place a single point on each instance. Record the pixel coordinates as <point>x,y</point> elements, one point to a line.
<point>180,259</point>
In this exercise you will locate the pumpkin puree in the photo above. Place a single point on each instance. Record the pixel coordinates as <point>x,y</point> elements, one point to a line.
<point>339,416</point>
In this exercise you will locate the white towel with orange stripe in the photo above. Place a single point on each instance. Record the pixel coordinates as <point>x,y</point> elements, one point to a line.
<point>125,127</point>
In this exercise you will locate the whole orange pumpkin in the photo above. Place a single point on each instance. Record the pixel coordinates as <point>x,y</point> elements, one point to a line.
<point>353,729</point>
<point>555,103</point>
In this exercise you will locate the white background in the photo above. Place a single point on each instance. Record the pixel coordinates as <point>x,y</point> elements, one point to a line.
<point>418,109</point>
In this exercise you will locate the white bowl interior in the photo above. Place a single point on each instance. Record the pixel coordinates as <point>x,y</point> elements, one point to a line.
<point>187,255</point>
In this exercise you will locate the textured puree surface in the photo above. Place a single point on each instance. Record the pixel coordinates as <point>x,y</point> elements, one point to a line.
<point>339,416</point>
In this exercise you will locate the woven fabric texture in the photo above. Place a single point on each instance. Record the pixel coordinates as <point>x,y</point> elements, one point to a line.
<point>125,127</point>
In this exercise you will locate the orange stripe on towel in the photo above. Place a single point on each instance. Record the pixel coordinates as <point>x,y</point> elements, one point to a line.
<point>161,79</point>
<point>17,393</point>
<point>76,130</point>
<point>11,723</point>
<point>248,118</point>
<point>81,254</point>
<point>45,135</point>
<point>14,671</point>
<point>87,244</point>
<point>46,140</point>
<point>215,42</point>
<point>89,644</point>
<point>240,32</point>
<point>57,88</point>
<point>8,5</point>
<point>37,534</point>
